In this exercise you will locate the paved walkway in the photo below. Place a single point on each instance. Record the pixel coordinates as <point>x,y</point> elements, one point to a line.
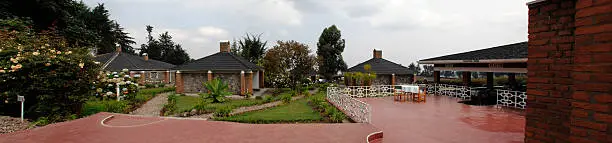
<point>153,106</point>
<point>131,128</point>
<point>442,119</point>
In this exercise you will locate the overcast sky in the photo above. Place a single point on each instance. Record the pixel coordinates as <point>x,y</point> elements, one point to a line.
<point>406,30</point>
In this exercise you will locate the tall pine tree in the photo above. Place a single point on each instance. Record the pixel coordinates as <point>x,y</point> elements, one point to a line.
<point>329,52</point>
<point>163,48</point>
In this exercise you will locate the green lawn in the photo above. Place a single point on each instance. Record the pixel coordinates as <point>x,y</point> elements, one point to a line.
<point>296,111</point>
<point>186,103</point>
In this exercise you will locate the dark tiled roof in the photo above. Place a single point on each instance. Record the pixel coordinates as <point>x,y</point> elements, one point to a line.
<point>381,66</point>
<point>130,62</point>
<point>511,51</point>
<point>219,61</point>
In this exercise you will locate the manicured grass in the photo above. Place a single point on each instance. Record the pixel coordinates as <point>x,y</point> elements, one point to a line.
<point>186,103</point>
<point>296,111</point>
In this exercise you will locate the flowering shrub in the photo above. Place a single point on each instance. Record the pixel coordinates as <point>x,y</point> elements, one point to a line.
<point>106,86</point>
<point>54,78</point>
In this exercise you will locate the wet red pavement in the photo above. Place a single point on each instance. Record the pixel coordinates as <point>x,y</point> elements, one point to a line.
<point>124,128</point>
<point>442,119</point>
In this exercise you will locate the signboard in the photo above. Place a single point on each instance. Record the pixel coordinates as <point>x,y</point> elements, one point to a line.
<point>21,99</point>
<point>496,65</point>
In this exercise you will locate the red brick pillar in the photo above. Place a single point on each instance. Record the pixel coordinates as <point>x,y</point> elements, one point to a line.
<point>180,86</point>
<point>392,79</point>
<point>436,76</point>
<point>467,78</point>
<point>167,77</point>
<point>261,79</point>
<point>249,82</point>
<point>141,79</point>
<point>242,83</point>
<point>591,114</point>
<point>569,84</point>
<point>210,75</point>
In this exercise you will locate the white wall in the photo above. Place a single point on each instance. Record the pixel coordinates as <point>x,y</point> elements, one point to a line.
<point>256,80</point>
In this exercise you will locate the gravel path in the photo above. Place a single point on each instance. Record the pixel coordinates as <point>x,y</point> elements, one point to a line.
<point>12,124</point>
<point>153,106</point>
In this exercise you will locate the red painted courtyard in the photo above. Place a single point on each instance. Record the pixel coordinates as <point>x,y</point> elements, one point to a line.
<point>440,119</point>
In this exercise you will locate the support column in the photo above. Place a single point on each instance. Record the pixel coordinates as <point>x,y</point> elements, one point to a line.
<point>490,80</point>
<point>249,82</point>
<point>392,79</point>
<point>180,88</point>
<point>512,81</point>
<point>261,79</point>
<point>167,77</point>
<point>467,78</point>
<point>210,76</point>
<point>141,80</point>
<point>242,81</point>
<point>436,76</point>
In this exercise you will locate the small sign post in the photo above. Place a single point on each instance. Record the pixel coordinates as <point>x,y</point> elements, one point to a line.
<point>118,93</point>
<point>21,99</point>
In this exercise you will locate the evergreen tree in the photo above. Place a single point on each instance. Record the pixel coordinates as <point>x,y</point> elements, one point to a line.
<point>252,48</point>
<point>329,52</point>
<point>163,48</point>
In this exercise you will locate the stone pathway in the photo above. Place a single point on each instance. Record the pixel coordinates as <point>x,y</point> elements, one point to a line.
<point>153,106</point>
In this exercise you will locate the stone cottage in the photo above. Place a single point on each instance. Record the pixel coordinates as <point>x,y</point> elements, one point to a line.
<point>241,75</point>
<point>151,71</point>
<point>387,72</point>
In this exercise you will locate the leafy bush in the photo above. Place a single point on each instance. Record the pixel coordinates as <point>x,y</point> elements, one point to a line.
<point>286,98</point>
<point>149,86</point>
<point>259,97</point>
<point>54,78</point>
<point>96,106</point>
<point>218,90</point>
<point>293,93</point>
<point>107,82</point>
<point>170,107</point>
<point>337,117</point>
<point>319,103</point>
<point>223,111</point>
<point>268,98</point>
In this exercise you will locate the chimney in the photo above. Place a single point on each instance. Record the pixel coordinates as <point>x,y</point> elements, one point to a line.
<point>224,46</point>
<point>377,54</point>
<point>145,56</point>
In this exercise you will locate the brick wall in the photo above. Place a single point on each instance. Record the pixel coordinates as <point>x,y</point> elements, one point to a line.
<point>570,61</point>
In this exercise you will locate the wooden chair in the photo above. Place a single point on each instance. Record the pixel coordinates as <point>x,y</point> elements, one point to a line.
<point>421,96</point>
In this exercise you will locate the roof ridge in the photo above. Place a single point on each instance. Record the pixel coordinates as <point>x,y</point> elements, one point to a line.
<point>110,60</point>
<point>195,61</point>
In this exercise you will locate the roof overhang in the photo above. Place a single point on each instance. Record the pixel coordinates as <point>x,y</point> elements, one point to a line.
<point>522,60</point>
<point>535,1</point>
<point>479,69</point>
